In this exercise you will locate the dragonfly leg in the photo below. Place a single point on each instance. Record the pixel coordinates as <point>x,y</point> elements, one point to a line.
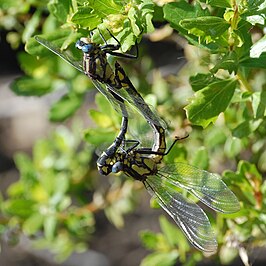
<point>172,145</point>
<point>135,143</point>
<point>110,48</point>
<point>129,56</point>
<point>147,151</point>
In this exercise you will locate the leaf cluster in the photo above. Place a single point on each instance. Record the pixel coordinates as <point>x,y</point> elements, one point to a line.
<point>226,71</point>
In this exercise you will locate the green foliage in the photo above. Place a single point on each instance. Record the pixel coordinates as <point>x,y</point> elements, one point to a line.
<point>42,200</point>
<point>210,101</point>
<point>226,108</point>
<point>167,246</point>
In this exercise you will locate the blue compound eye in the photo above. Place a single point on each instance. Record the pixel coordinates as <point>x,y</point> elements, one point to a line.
<point>117,167</point>
<point>86,48</point>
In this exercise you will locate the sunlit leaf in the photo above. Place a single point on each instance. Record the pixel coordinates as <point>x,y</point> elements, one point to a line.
<point>160,258</point>
<point>101,119</point>
<point>205,26</point>
<point>219,3</point>
<point>247,127</point>
<point>65,107</point>
<point>258,48</point>
<point>200,81</point>
<point>59,9</point>
<point>259,104</point>
<point>255,62</point>
<point>85,17</point>
<point>26,86</point>
<point>49,224</point>
<point>209,102</point>
<point>33,223</point>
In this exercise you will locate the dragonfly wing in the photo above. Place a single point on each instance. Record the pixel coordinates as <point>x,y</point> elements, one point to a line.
<point>118,105</point>
<point>130,95</point>
<point>63,54</point>
<point>207,187</point>
<point>188,215</point>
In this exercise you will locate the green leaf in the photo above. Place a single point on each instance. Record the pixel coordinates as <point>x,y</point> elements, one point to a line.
<point>233,147</point>
<point>58,38</point>
<point>65,107</point>
<point>215,137</point>
<point>24,163</point>
<point>19,207</point>
<point>149,239</point>
<point>170,231</point>
<point>99,136</point>
<point>26,86</point>
<point>102,120</point>
<point>28,63</point>
<point>60,9</point>
<point>229,62</point>
<point>255,12</point>
<point>103,8</point>
<point>104,105</point>
<point>219,3</point>
<point>205,26</point>
<point>147,9</point>
<point>43,154</point>
<point>248,178</point>
<point>177,12</point>
<point>201,158</point>
<point>160,258</point>
<point>33,223</point>
<point>258,48</point>
<point>49,224</point>
<point>134,21</point>
<point>259,104</point>
<point>31,25</point>
<point>255,62</point>
<point>209,102</point>
<point>245,128</point>
<point>85,17</point>
<point>201,80</point>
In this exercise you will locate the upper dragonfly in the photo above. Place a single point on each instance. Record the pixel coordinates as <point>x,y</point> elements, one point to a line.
<point>118,88</point>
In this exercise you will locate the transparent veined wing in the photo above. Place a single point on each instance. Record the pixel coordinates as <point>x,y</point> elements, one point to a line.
<point>134,98</point>
<point>129,95</point>
<point>119,106</point>
<point>63,54</point>
<point>207,187</point>
<point>188,216</point>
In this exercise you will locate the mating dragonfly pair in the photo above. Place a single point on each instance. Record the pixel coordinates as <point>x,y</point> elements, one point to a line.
<point>143,163</point>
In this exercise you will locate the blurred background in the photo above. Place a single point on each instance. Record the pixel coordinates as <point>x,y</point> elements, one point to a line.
<point>55,207</point>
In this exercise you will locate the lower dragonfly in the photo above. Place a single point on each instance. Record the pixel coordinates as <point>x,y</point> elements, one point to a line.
<point>164,182</point>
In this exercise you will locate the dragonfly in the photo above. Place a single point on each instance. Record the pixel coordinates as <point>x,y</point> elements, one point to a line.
<point>95,65</point>
<point>165,184</point>
<point>112,83</point>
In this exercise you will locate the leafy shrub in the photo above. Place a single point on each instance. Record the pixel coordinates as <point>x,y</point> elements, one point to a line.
<point>226,71</point>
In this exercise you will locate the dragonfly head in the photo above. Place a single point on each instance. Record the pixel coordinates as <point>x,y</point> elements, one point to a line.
<point>106,169</point>
<point>85,45</point>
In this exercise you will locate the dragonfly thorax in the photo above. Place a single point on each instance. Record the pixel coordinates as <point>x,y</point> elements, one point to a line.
<point>139,167</point>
